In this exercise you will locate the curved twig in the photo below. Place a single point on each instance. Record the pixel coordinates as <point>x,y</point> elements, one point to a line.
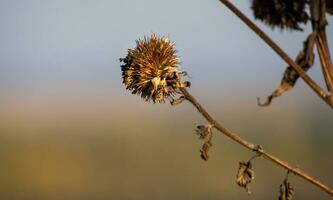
<point>253,147</point>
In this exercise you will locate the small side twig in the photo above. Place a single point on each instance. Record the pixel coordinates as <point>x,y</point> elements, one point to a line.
<point>308,80</point>
<point>253,147</point>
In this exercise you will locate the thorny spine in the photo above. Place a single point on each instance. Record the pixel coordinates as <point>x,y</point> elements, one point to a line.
<point>327,97</point>
<point>251,146</point>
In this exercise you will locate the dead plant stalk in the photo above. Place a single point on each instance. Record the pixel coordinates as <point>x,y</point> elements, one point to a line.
<point>327,97</point>
<point>253,147</point>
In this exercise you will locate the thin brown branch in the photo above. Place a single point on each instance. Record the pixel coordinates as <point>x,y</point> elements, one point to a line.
<point>315,87</point>
<point>253,147</point>
<point>325,59</point>
<point>318,16</point>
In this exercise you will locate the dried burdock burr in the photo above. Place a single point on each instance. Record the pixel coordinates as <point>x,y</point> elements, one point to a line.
<point>281,13</point>
<point>329,6</point>
<point>151,69</point>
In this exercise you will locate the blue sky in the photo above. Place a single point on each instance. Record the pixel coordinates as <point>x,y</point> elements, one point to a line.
<point>47,44</point>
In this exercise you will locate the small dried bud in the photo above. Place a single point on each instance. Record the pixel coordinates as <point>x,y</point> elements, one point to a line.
<point>204,130</point>
<point>281,13</point>
<point>151,69</point>
<point>286,191</point>
<point>245,175</point>
<point>204,150</point>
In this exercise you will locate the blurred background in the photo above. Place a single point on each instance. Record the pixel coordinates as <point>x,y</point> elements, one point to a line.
<point>70,130</point>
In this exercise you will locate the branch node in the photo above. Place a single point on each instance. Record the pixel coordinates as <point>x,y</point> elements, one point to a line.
<point>259,149</point>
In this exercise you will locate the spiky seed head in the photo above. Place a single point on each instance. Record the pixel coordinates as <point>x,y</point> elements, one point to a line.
<point>151,69</point>
<point>287,14</point>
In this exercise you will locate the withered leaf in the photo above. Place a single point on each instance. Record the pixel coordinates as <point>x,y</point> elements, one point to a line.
<point>305,60</point>
<point>286,191</point>
<point>204,150</point>
<point>204,130</point>
<point>245,175</point>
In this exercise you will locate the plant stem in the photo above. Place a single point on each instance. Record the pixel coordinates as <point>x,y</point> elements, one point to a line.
<point>319,23</point>
<point>325,59</point>
<point>320,92</point>
<point>251,146</point>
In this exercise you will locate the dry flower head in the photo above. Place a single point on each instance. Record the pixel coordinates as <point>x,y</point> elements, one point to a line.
<point>151,69</point>
<point>282,13</point>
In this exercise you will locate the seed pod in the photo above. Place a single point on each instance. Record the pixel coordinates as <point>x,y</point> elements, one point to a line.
<point>281,13</point>
<point>151,69</point>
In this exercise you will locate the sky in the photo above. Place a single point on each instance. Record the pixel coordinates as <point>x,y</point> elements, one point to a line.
<point>48,44</point>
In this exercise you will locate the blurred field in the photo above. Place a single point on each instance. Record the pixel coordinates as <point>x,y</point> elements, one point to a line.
<point>99,147</point>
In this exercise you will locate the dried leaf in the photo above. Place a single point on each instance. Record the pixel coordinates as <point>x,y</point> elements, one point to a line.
<point>245,175</point>
<point>204,130</point>
<point>177,101</point>
<point>305,60</point>
<point>204,150</point>
<point>286,191</point>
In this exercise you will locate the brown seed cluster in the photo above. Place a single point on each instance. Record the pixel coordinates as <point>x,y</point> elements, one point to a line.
<point>151,69</point>
<point>281,13</point>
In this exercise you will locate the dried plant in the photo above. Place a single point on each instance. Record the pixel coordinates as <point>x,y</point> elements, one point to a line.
<point>245,175</point>
<point>151,69</point>
<point>205,133</point>
<point>286,190</point>
<point>305,59</point>
<point>281,13</point>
